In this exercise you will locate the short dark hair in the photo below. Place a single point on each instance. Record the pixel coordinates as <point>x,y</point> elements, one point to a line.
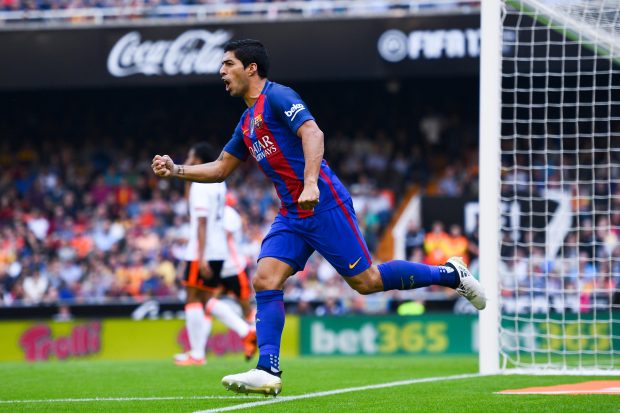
<point>250,51</point>
<point>203,151</point>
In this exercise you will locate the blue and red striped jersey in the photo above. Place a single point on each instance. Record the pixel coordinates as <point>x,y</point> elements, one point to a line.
<point>268,132</point>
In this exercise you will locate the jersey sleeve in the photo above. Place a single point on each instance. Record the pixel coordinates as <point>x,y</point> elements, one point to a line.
<point>288,106</point>
<point>235,146</point>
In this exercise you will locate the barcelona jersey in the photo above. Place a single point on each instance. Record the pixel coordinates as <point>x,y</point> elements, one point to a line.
<point>268,132</point>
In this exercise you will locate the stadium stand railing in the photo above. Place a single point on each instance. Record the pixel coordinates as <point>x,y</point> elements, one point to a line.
<point>95,12</point>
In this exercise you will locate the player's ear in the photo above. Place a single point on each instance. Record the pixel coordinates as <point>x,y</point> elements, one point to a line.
<point>252,69</point>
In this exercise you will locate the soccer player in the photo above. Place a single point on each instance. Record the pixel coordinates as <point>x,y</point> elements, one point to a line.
<point>235,279</point>
<point>234,276</point>
<point>279,132</point>
<point>205,254</point>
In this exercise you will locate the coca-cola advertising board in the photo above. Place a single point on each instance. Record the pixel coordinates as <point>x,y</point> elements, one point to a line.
<point>371,48</point>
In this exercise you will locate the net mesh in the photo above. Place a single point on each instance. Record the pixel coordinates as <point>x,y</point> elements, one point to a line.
<point>560,191</point>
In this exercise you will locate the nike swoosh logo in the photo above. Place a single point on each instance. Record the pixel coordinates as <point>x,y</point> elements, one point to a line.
<point>351,266</point>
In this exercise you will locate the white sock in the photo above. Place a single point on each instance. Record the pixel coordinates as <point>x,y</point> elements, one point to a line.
<point>228,316</point>
<point>208,324</point>
<point>196,325</point>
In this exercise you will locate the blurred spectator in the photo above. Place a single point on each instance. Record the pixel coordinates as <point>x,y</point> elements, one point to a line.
<point>35,286</point>
<point>434,245</point>
<point>103,236</point>
<point>414,238</point>
<point>431,127</point>
<point>82,242</point>
<point>456,244</point>
<point>449,184</point>
<point>38,224</point>
<point>331,306</point>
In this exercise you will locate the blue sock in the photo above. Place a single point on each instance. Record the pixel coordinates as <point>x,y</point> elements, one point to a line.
<point>269,326</point>
<point>405,275</point>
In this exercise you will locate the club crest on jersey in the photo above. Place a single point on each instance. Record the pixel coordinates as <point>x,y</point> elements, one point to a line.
<point>258,121</point>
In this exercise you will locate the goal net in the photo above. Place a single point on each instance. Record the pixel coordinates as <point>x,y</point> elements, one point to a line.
<point>559,272</point>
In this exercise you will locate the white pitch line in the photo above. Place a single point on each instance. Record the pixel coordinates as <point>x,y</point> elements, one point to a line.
<point>338,391</point>
<point>126,399</point>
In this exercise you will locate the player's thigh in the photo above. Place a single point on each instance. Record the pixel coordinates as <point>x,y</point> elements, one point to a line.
<point>194,295</point>
<point>337,237</point>
<point>285,245</point>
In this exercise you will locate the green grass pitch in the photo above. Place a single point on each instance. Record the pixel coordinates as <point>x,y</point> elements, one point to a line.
<point>188,389</point>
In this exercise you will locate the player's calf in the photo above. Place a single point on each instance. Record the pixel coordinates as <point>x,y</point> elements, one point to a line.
<point>405,275</point>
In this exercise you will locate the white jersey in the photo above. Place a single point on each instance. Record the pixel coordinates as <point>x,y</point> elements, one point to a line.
<point>236,262</point>
<point>207,200</point>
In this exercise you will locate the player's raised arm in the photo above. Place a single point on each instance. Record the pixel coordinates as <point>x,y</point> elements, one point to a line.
<point>312,142</point>
<point>216,171</point>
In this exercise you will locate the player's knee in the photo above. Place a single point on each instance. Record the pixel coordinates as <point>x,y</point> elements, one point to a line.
<point>257,284</point>
<point>366,289</point>
<point>261,283</point>
<point>368,282</point>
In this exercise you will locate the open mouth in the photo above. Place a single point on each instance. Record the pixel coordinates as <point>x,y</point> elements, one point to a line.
<point>227,84</point>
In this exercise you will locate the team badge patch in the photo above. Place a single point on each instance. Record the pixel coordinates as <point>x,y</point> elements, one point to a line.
<point>258,120</point>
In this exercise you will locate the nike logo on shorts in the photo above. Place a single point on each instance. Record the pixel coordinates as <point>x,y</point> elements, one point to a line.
<point>351,266</point>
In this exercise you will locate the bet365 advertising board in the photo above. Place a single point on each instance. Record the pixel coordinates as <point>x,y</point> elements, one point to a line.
<point>358,335</point>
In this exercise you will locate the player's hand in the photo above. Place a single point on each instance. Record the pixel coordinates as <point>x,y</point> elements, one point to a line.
<point>309,197</point>
<point>162,166</point>
<point>205,269</point>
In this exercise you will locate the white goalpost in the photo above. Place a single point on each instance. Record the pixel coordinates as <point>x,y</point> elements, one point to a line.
<point>550,186</point>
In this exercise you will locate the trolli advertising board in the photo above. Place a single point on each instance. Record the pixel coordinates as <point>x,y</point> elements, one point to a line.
<point>373,48</point>
<point>119,339</point>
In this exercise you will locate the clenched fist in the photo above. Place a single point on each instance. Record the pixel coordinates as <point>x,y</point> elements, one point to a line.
<point>162,166</point>
<point>309,197</point>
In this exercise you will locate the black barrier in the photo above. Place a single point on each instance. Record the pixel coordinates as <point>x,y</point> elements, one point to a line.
<point>372,48</point>
<point>158,309</point>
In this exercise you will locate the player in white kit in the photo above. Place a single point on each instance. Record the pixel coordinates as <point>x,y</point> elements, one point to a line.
<point>206,251</point>
<point>235,277</point>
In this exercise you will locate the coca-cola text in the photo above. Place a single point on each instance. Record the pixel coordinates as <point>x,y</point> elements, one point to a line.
<point>195,52</point>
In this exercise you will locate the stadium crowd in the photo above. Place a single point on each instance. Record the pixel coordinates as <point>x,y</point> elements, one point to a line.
<point>540,175</point>
<point>223,8</point>
<point>84,220</point>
